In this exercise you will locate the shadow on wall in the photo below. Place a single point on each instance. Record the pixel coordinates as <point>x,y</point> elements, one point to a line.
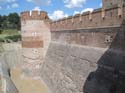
<point>110,74</point>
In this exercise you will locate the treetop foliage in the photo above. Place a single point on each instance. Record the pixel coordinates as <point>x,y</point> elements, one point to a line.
<point>11,21</point>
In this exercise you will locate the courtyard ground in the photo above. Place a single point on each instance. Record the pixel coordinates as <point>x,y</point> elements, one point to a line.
<point>27,84</point>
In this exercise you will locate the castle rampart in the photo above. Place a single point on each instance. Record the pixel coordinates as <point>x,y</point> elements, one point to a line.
<point>99,18</point>
<point>86,53</point>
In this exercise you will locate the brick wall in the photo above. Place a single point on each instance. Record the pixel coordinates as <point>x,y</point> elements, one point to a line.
<point>101,37</point>
<point>99,18</point>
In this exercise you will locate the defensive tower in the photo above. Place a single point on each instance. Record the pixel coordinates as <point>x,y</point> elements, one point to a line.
<point>35,39</point>
<point>110,3</point>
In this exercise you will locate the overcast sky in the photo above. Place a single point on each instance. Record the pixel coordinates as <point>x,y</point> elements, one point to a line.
<point>56,8</point>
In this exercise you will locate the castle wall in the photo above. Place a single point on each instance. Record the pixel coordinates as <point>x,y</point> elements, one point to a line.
<point>83,61</point>
<point>97,19</point>
<point>86,53</point>
<point>101,37</point>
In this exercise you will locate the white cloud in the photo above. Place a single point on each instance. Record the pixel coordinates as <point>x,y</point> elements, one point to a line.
<point>37,8</point>
<point>8,7</point>
<point>74,3</point>
<point>11,1</point>
<point>29,0</point>
<point>87,9</point>
<point>0,7</point>
<point>14,5</point>
<point>101,4</point>
<point>40,2</point>
<point>76,12</point>
<point>7,1</point>
<point>58,14</point>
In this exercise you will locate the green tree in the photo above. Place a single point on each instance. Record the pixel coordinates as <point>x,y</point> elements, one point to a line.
<point>14,20</point>
<point>0,21</point>
<point>4,22</point>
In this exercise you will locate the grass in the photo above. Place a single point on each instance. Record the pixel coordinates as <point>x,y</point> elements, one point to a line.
<point>10,34</point>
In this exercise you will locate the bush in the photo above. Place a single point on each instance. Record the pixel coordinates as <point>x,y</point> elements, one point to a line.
<point>1,40</point>
<point>1,31</point>
<point>14,38</point>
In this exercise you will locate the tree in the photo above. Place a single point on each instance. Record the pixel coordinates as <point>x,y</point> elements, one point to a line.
<point>0,21</point>
<point>14,20</point>
<point>4,22</point>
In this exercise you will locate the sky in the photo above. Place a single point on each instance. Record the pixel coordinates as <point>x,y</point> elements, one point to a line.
<point>56,8</point>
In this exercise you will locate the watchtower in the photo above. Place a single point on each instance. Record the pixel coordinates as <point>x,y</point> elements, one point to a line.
<point>110,3</point>
<point>35,40</point>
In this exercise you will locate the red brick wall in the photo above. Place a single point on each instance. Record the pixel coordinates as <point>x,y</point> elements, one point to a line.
<point>111,19</point>
<point>32,42</point>
<point>101,37</point>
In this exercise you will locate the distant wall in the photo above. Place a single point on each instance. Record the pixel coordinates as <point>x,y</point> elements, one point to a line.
<point>99,18</point>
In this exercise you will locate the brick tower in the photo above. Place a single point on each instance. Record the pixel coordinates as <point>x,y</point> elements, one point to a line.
<point>109,3</point>
<point>35,40</point>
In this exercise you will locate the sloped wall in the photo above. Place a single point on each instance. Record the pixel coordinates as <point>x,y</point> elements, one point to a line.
<point>93,66</point>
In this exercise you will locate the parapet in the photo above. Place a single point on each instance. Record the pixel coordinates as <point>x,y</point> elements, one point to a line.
<point>34,15</point>
<point>99,18</point>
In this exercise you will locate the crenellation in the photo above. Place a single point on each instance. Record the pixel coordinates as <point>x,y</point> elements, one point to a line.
<point>90,16</point>
<point>34,15</point>
<point>25,15</point>
<point>96,19</point>
<point>44,15</point>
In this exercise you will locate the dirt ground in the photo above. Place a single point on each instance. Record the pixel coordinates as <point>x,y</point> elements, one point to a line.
<point>26,84</point>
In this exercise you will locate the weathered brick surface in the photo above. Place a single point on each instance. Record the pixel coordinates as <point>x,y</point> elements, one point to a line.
<point>86,61</point>
<point>102,37</point>
<point>6,84</point>
<point>32,44</point>
<point>80,69</point>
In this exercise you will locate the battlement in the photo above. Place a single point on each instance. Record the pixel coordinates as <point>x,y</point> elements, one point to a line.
<point>99,18</point>
<point>34,15</point>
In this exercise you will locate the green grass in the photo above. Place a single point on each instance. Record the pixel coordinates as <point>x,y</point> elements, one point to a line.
<point>10,32</point>
<point>12,35</point>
